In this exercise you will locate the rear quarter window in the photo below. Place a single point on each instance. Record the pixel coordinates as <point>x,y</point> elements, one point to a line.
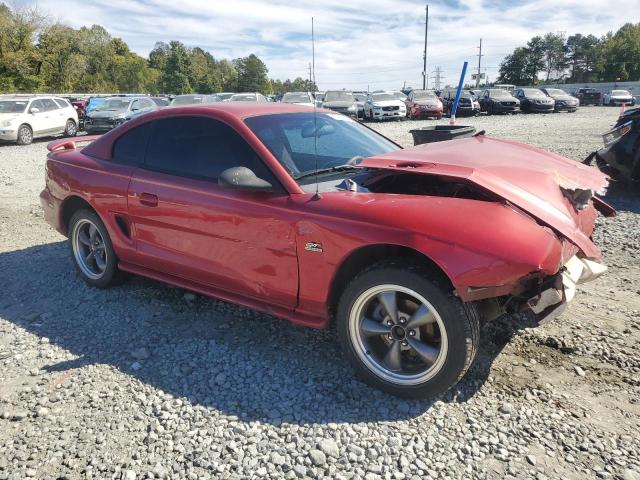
<point>130,147</point>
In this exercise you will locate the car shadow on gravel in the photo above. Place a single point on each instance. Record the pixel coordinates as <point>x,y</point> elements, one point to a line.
<point>624,196</point>
<point>211,353</point>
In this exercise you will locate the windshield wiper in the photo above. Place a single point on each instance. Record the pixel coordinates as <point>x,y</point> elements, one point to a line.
<point>320,171</point>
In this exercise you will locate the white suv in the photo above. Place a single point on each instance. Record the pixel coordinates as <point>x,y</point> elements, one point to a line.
<point>24,118</point>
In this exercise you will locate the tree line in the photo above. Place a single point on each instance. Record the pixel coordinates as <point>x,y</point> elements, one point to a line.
<point>39,56</point>
<point>576,59</point>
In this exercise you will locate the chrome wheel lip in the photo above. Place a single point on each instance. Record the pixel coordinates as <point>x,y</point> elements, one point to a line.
<point>374,364</point>
<point>81,250</point>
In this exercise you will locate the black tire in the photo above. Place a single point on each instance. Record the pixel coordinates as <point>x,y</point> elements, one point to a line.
<point>71,128</point>
<point>439,117</point>
<point>460,321</point>
<point>25,135</point>
<point>111,275</point>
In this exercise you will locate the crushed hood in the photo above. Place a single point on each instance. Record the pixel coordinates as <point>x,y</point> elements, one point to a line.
<point>528,177</point>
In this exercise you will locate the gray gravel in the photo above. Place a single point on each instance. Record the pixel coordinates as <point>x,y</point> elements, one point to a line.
<point>149,381</point>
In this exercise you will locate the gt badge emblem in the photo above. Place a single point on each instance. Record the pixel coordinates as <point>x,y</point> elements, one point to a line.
<point>313,247</point>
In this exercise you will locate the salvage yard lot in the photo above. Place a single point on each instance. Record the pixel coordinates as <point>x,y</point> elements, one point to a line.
<point>149,381</point>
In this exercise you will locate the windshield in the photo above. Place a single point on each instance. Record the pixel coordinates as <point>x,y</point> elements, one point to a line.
<point>224,96</point>
<point>113,104</point>
<point>243,97</point>
<point>499,93</point>
<point>555,91</point>
<point>13,106</point>
<point>187,100</point>
<point>338,97</point>
<point>533,92</point>
<point>620,92</point>
<point>360,97</point>
<point>381,97</point>
<point>303,142</point>
<point>293,97</point>
<point>424,95</point>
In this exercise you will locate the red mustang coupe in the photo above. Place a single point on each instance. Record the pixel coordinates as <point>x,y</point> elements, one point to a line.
<point>317,219</point>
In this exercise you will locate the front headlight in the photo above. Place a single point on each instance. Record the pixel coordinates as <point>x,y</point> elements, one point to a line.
<point>7,123</point>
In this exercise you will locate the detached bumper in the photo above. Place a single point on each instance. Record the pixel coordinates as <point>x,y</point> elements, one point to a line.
<point>552,301</point>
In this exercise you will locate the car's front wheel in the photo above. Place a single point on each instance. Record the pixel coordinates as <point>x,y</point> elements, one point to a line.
<point>404,333</point>
<point>92,250</point>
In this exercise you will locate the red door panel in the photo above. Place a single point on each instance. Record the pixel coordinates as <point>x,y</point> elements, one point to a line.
<point>238,241</point>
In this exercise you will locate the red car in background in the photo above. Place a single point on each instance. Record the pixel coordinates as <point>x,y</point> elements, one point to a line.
<point>423,104</point>
<point>79,104</point>
<point>318,219</point>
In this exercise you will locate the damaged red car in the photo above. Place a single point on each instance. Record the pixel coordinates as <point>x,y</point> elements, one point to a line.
<point>318,219</point>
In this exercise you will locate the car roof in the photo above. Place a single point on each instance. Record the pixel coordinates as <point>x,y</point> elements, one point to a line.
<point>237,109</point>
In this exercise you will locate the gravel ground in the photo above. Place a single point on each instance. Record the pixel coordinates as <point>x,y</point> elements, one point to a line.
<point>149,381</point>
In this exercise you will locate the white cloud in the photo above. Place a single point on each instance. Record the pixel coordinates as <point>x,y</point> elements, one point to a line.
<point>376,43</point>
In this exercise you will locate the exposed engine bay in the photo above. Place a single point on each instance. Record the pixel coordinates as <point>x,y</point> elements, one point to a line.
<point>401,183</point>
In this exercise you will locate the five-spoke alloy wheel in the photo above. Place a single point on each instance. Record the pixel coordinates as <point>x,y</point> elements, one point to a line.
<point>92,250</point>
<point>404,331</point>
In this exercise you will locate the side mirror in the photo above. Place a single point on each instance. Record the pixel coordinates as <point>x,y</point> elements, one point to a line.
<point>242,178</point>
<point>34,110</point>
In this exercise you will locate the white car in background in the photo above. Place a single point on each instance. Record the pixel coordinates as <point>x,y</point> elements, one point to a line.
<point>298,98</point>
<point>385,105</point>
<point>618,97</point>
<point>247,97</point>
<point>23,118</point>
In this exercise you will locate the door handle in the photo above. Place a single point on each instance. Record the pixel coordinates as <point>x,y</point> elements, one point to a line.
<point>148,199</point>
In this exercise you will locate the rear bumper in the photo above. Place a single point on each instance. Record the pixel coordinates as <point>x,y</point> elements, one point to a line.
<point>553,299</point>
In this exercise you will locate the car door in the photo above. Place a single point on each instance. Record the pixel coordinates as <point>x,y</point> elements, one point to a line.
<point>37,120</point>
<point>52,117</point>
<point>186,225</point>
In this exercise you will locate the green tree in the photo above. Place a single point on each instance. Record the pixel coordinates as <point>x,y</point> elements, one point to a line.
<point>554,55</point>
<point>584,57</point>
<point>252,74</point>
<point>621,54</point>
<point>174,78</point>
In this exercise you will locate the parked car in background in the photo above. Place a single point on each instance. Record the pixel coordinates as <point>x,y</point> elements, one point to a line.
<point>115,111</point>
<point>563,101</point>
<point>79,104</point>
<point>618,97</point>
<point>396,94</point>
<point>161,101</point>
<point>407,251</point>
<point>361,98</point>
<point>468,105</point>
<point>498,100</point>
<point>588,96</point>
<point>248,97</point>
<point>534,100</point>
<point>384,105</point>
<point>225,96</point>
<point>341,101</point>
<point>319,96</point>
<point>299,98</point>
<point>193,99</point>
<point>23,118</point>
<point>423,104</point>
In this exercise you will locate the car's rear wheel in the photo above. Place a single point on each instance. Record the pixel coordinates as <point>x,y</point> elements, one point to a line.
<point>92,250</point>
<point>25,135</point>
<point>405,334</point>
<point>70,129</point>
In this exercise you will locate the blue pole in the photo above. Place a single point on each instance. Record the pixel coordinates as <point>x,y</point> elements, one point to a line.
<point>455,102</point>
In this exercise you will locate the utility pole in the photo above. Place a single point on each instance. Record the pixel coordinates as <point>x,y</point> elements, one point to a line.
<point>310,77</point>
<point>479,62</point>
<point>424,65</point>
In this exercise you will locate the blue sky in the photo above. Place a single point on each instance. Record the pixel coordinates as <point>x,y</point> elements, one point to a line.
<point>375,43</point>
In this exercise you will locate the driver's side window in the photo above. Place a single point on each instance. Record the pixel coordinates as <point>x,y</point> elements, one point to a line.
<point>200,147</point>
